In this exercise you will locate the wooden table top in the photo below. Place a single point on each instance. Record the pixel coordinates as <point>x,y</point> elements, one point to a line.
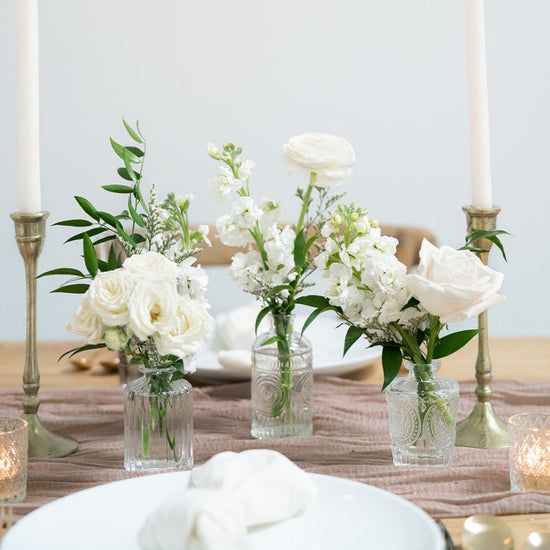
<point>526,359</point>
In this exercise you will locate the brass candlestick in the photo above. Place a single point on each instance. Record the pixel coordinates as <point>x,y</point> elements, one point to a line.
<point>30,230</point>
<point>482,428</point>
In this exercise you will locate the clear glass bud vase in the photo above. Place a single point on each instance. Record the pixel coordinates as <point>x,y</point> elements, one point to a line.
<point>158,421</point>
<point>422,411</point>
<point>282,382</point>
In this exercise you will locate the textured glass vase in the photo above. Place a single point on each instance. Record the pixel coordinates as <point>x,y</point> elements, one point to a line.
<point>422,411</point>
<point>282,382</point>
<point>14,436</point>
<point>158,422</point>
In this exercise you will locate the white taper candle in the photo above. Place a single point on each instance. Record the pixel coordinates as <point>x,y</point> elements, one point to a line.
<point>28,109</point>
<point>478,104</point>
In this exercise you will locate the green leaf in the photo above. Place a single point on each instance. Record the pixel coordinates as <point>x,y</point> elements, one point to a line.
<point>261,316</point>
<point>498,243</point>
<point>392,359</point>
<point>300,249</point>
<point>74,351</point>
<point>88,207</point>
<point>104,240</point>
<point>109,219</point>
<point>139,196</point>
<point>103,265</point>
<point>453,342</point>
<point>135,150</point>
<point>310,242</point>
<point>138,238</point>
<point>271,340</point>
<point>131,132</point>
<point>123,235</point>
<point>313,315</point>
<point>134,214</point>
<point>123,173</point>
<point>313,301</point>
<point>484,234</point>
<point>62,271</point>
<point>117,188</point>
<point>72,289</point>
<point>112,259</point>
<point>74,223</point>
<point>352,335</point>
<point>128,165</point>
<point>90,233</point>
<point>122,152</point>
<point>90,256</point>
<point>413,302</point>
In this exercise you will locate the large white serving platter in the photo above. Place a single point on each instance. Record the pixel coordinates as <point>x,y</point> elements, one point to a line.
<point>327,342</point>
<point>345,516</point>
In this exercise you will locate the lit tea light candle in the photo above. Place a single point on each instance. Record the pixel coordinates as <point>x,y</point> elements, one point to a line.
<point>530,452</point>
<point>13,459</point>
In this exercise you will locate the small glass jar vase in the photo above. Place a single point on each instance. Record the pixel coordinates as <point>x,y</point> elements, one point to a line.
<point>422,411</point>
<point>158,421</point>
<point>282,382</point>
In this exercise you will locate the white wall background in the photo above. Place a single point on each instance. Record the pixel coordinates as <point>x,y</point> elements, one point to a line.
<point>387,74</point>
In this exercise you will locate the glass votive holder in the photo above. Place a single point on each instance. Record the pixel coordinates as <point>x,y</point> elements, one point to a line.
<point>530,452</point>
<point>13,459</point>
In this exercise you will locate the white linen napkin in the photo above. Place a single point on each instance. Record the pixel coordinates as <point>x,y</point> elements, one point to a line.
<point>228,494</point>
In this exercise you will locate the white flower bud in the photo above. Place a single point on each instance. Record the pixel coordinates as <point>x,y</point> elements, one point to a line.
<point>115,339</point>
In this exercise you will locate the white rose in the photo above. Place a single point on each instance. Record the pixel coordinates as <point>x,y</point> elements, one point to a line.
<point>86,322</point>
<point>153,308</point>
<point>109,295</point>
<point>190,331</point>
<point>454,284</point>
<point>330,157</point>
<point>151,265</point>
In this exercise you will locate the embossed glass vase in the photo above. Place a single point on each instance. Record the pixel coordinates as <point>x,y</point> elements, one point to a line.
<point>422,411</point>
<point>158,421</point>
<point>282,382</point>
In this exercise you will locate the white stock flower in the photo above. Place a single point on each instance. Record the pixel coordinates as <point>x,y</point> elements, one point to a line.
<point>109,294</point>
<point>229,232</point>
<point>246,268</point>
<point>192,281</point>
<point>188,333</point>
<point>153,307</point>
<point>329,157</point>
<point>454,284</point>
<point>151,265</point>
<point>271,209</point>
<point>246,213</point>
<point>245,169</point>
<point>223,184</point>
<point>85,322</point>
<point>213,151</point>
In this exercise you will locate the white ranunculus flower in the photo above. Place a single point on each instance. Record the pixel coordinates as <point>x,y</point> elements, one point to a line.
<point>454,284</point>
<point>86,322</point>
<point>329,156</point>
<point>109,295</point>
<point>189,332</point>
<point>153,307</point>
<point>151,265</point>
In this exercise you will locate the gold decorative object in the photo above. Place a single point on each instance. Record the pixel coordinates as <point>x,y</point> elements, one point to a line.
<point>30,230</point>
<point>482,428</point>
<point>486,532</point>
<point>530,452</point>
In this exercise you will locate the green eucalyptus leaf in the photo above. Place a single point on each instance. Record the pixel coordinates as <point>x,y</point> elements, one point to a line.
<point>118,188</point>
<point>122,152</point>
<point>313,301</point>
<point>74,223</point>
<point>392,358</point>
<point>90,256</point>
<point>352,335</point>
<point>91,233</point>
<point>453,342</point>
<point>72,289</point>
<point>62,271</point>
<point>132,133</point>
<point>88,207</point>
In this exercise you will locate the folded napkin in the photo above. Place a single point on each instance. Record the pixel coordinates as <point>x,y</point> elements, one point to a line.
<point>227,495</point>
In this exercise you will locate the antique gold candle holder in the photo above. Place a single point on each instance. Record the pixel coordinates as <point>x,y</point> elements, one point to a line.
<point>482,428</point>
<point>30,231</point>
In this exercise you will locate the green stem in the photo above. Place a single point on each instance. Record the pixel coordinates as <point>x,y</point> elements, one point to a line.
<point>307,200</point>
<point>283,330</point>
<point>432,338</point>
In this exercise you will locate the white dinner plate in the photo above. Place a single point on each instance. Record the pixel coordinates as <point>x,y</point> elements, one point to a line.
<point>327,342</point>
<point>346,515</point>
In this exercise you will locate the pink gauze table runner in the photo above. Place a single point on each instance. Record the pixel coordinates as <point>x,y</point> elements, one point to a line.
<point>350,440</point>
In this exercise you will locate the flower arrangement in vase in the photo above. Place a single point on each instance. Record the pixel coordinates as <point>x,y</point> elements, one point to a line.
<point>274,266</point>
<point>146,299</point>
<point>405,313</point>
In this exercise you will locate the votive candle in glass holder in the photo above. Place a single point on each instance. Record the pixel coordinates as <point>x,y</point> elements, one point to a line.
<point>13,459</point>
<point>530,452</point>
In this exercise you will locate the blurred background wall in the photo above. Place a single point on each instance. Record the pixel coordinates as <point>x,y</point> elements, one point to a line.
<point>389,75</point>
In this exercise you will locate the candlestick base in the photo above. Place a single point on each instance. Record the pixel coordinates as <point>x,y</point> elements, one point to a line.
<point>482,428</point>
<point>30,231</point>
<point>46,444</point>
